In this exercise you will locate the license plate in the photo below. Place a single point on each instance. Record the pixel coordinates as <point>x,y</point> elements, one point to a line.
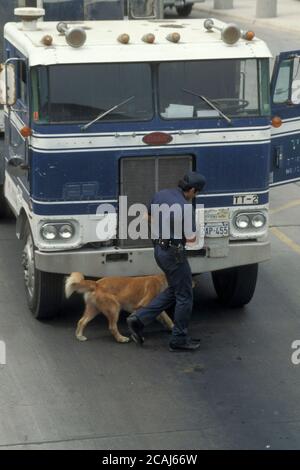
<point>217,229</point>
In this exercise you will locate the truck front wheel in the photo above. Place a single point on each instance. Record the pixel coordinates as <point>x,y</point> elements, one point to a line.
<point>235,286</point>
<point>44,291</point>
<point>185,10</point>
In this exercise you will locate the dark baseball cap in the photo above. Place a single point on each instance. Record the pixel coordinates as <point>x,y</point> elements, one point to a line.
<point>194,180</point>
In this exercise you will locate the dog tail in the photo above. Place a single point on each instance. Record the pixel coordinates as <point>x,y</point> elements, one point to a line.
<point>76,283</point>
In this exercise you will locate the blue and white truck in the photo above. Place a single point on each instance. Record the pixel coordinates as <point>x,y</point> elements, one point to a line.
<point>99,109</point>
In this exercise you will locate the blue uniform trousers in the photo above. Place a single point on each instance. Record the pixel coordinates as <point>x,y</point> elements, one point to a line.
<point>179,294</point>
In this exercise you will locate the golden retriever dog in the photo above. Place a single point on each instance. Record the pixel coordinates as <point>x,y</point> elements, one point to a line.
<point>110,295</point>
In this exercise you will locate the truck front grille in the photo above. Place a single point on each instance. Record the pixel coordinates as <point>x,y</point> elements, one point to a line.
<point>141,177</point>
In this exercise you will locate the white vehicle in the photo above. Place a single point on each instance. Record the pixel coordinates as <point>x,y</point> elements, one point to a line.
<point>183,7</point>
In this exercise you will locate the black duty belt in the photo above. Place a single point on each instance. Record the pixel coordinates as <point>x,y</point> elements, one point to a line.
<point>168,243</point>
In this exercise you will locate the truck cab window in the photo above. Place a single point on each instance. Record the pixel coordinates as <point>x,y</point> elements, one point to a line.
<point>282,88</point>
<point>287,89</point>
<point>234,86</point>
<point>93,89</point>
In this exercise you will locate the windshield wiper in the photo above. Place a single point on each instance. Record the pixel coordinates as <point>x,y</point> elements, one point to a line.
<point>207,101</point>
<point>100,116</point>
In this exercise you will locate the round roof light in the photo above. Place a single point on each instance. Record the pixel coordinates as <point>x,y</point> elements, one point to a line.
<point>149,38</point>
<point>173,37</point>
<point>249,35</point>
<point>124,38</point>
<point>47,40</point>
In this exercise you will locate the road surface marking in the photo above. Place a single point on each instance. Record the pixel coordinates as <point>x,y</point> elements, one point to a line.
<point>286,240</point>
<point>278,233</point>
<point>288,205</point>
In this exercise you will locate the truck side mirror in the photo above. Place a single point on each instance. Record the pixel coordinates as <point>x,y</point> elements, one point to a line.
<point>8,92</point>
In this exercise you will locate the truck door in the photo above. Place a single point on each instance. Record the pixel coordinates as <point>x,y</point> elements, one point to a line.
<point>285,108</point>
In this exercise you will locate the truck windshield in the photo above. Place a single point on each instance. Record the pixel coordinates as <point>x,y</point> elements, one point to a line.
<point>78,93</point>
<point>236,87</point>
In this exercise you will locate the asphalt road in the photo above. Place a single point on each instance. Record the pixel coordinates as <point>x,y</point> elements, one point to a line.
<point>240,390</point>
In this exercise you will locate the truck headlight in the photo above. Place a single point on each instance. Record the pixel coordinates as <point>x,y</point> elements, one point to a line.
<point>258,220</point>
<point>242,221</point>
<point>57,231</point>
<point>49,232</point>
<point>250,220</point>
<point>66,231</point>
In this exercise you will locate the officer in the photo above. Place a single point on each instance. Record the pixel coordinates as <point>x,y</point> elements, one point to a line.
<point>171,257</point>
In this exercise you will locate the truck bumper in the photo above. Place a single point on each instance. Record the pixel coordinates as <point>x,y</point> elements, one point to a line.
<point>139,262</point>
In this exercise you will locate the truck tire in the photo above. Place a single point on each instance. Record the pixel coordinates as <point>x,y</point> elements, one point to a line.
<point>44,291</point>
<point>235,286</point>
<point>185,10</point>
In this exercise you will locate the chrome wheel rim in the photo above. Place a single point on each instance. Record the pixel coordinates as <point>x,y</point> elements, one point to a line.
<point>29,267</point>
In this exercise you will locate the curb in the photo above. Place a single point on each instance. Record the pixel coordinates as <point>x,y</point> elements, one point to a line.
<point>251,20</point>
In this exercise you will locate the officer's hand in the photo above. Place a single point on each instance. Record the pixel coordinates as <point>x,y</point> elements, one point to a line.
<point>190,241</point>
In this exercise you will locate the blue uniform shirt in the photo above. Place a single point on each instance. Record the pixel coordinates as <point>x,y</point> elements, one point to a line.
<point>175,224</point>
